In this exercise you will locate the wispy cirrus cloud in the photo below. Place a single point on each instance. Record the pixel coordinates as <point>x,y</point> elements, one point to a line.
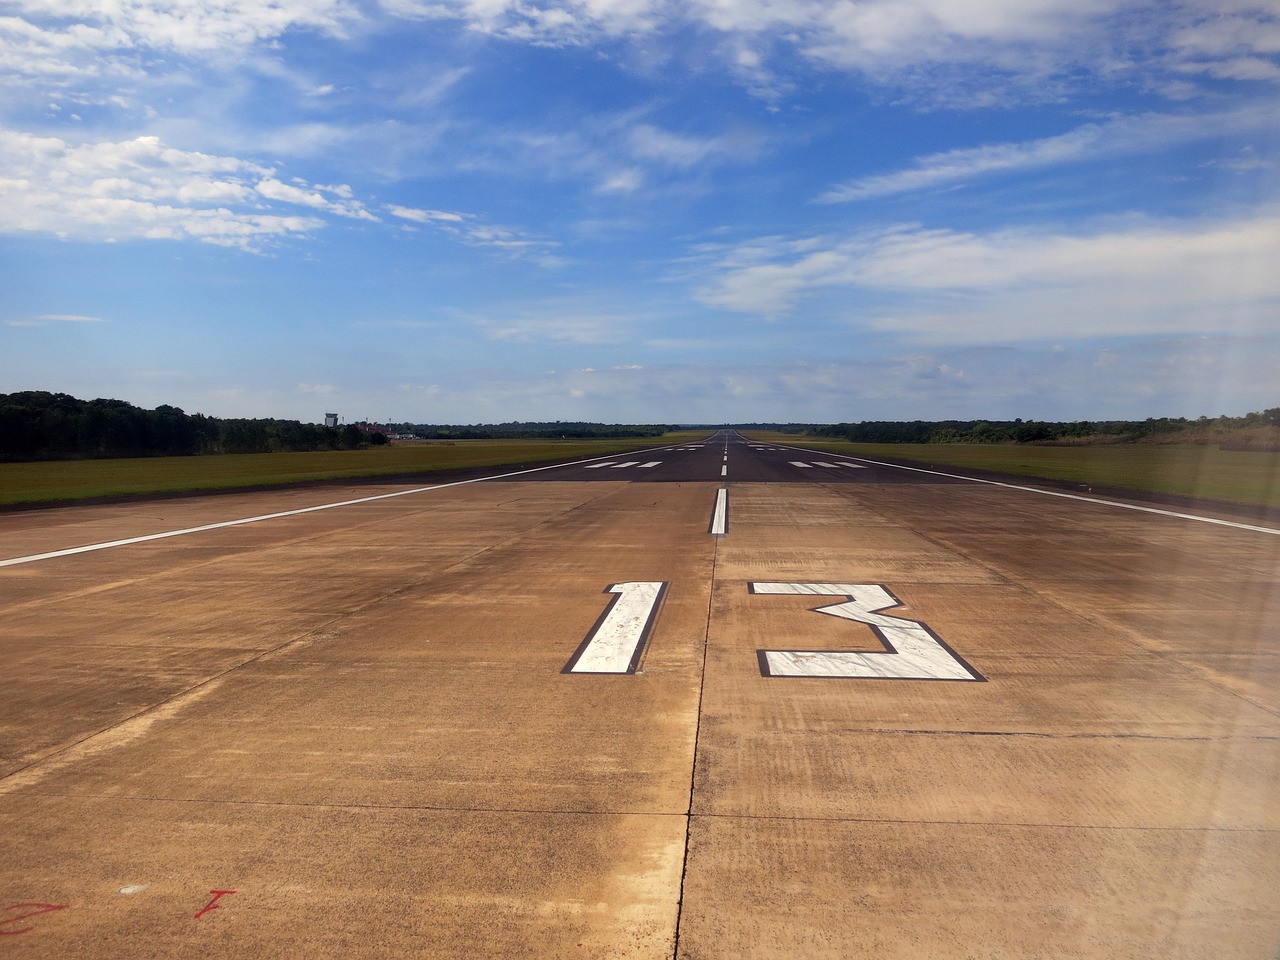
<point>555,326</point>
<point>473,231</point>
<point>1116,137</point>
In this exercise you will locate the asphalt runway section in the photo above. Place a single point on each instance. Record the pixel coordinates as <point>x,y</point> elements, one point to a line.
<point>530,719</point>
<point>727,456</point>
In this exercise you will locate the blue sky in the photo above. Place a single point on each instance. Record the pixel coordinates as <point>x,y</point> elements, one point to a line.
<point>643,211</point>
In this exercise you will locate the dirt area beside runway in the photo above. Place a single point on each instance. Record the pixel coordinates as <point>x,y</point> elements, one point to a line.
<point>356,724</point>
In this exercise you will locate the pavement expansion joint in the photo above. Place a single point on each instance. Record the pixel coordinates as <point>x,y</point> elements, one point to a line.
<point>1049,735</point>
<point>389,807</point>
<point>1011,824</point>
<point>693,772</point>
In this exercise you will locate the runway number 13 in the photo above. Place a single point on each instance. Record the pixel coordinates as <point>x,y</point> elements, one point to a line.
<point>912,651</point>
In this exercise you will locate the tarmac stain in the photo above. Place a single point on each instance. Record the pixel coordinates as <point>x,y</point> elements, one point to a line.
<point>122,734</point>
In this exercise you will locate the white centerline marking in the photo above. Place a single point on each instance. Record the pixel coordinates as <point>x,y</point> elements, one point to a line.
<point>616,642</point>
<point>651,463</point>
<point>629,463</point>
<point>720,515</point>
<point>724,471</point>
<point>597,466</point>
<point>797,463</point>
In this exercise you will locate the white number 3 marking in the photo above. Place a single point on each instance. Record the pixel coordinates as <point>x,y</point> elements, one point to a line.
<point>913,652</point>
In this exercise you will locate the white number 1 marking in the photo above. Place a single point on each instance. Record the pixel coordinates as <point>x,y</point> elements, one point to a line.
<point>913,653</point>
<point>616,641</point>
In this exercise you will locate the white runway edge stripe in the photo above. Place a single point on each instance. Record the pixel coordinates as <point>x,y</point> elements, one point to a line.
<point>89,548</point>
<point>1069,496</point>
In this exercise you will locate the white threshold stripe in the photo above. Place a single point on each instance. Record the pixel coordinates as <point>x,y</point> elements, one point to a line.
<point>720,516</point>
<point>89,548</point>
<point>1068,496</point>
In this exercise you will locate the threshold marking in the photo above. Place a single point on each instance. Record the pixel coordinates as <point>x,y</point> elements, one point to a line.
<point>912,651</point>
<point>720,514</point>
<point>616,642</point>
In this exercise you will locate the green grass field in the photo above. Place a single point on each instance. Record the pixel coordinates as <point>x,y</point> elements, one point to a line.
<point>1194,470</point>
<point>26,483</point>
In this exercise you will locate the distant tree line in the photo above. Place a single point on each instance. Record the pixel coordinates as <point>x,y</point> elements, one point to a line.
<point>1030,431</point>
<point>36,425</point>
<point>546,430</point>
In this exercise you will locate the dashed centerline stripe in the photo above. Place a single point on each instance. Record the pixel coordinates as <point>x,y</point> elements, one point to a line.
<point>720,514</point>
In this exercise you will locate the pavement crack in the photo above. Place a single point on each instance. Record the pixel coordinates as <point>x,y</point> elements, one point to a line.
<point>693,772</point>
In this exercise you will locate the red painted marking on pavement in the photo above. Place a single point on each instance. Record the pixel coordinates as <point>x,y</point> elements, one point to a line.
<point>36,910</point>
<point>213,904</point>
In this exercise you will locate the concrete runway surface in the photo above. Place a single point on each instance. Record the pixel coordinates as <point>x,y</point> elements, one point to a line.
<point>549,716</point>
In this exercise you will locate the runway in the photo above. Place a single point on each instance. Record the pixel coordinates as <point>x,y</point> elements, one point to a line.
<point>541,715</point>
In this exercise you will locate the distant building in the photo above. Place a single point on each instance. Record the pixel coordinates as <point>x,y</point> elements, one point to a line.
<point>331,420</point>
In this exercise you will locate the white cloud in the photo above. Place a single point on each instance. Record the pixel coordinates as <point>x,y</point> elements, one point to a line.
<point>141,188</point>
<point>273,189</point>
<point>197,26</point>
<point>647,142</point>
<point>44,319</point>
<point>425,216</point>
<point>1023,48</point>
<point>980,52</point>
<point>944,286</point>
